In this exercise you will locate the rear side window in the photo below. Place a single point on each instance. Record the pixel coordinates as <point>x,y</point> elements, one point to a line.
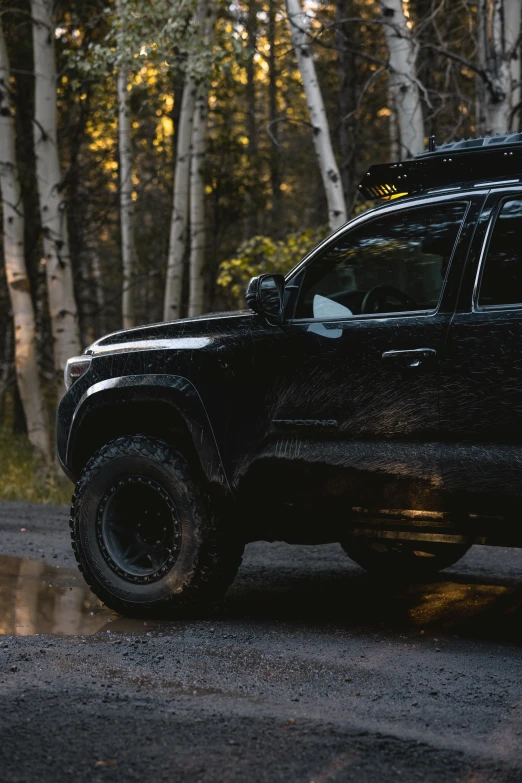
<point>502,276</point>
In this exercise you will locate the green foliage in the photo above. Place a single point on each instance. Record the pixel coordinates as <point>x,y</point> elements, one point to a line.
<point>163,34</point>
<point>24,478</point>
<point>262,254</point>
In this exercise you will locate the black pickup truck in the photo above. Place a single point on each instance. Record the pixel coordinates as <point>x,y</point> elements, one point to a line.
<point>371,397</point>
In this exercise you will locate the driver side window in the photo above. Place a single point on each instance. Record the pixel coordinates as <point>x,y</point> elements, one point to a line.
<point>394,263</point>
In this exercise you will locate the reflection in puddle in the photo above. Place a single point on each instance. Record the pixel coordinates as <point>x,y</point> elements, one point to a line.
<point>38,598</point>
<point>450,604</point>
<point>456,604</point>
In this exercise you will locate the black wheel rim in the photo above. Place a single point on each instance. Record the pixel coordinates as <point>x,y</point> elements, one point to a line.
<point>138,530</point>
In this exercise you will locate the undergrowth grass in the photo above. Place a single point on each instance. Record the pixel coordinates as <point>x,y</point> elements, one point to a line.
<point>23,477</point>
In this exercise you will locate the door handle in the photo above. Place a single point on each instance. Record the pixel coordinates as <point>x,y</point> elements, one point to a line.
<point>410,359</point>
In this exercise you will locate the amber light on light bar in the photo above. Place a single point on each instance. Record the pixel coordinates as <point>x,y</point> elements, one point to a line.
<point>395,195</point>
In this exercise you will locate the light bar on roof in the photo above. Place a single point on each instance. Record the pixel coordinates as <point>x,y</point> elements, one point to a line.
<point>459,163</point>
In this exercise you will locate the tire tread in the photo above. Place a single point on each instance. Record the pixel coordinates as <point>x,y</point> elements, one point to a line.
<point>219,554</point>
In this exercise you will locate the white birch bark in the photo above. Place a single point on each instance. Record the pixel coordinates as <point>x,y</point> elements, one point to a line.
<point>321,131</point>
<point>207,19</point>
<point>26,362</point>
<point>197,205</point>
<point>126,205</point>
<point>403,78</point>
<point>481,88</point>
<point>498,93</point>
<point>62,304</point>
<point>180,205</point>
<point>512,28</point>
<point>395,144</point>
<point>498,106</point>
<point>97,279</point>
<point>128,250</point>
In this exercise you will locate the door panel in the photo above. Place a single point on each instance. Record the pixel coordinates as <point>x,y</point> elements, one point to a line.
<point>351,403</point>
<point>481,371</point>
<point>353,422</point>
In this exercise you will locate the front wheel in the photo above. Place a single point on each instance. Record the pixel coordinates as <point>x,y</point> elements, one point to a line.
<point>144,532</point>
<point>403,560</point>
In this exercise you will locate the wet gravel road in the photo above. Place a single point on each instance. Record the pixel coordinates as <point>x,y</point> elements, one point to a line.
<point>309,672</point>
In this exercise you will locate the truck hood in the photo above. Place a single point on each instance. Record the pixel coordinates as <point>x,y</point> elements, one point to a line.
<point>186,333</point>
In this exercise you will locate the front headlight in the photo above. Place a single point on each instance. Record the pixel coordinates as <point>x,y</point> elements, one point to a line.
<point>75,368</point>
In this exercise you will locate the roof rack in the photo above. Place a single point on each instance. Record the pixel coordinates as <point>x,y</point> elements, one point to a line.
<point>457,163</point>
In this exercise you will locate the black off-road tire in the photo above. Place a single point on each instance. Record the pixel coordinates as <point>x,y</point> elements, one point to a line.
<point>204,558</point>
<point>407,561</point>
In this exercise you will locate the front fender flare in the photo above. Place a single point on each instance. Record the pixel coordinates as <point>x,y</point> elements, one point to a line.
<point>173,389</point>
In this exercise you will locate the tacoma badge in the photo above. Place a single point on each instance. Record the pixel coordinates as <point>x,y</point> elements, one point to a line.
<point>305,422</point>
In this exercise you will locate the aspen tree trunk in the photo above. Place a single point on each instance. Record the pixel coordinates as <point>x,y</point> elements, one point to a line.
<point>177,90</point>
<point>126,205</point>
<point>26,363</point>
<point>251,119</point>
<point>207,18</point>
<point>347,96</point>
<point>512,28</point>
<point>321,131</point>
<point>498,106</point>
<point>180,205</point>
<point>99,294</point>
<point>395,144</point>
<point>62,304</point>
<point>128,253</point>
<point>197,205</point>
<point>276,217</point>
<point>403,78</point>
<point>499,58</point>
<point>481,89</point>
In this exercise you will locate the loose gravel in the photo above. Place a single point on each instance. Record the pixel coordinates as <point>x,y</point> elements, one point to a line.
<point>308,672</point>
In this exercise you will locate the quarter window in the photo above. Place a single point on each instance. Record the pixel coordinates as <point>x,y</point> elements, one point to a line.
<point>394,263</point>
<point>502,276</point>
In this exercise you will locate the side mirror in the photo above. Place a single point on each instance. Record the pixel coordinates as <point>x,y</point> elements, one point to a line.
<point>265,295</point>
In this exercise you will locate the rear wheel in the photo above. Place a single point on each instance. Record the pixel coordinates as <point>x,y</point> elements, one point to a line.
<point>408,560</point>
<point>145,534</point>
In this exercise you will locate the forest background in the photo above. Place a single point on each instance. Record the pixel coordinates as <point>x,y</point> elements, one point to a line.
<point>156,155</point>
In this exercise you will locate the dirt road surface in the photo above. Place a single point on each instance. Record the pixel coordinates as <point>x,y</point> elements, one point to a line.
<point>309,672</point>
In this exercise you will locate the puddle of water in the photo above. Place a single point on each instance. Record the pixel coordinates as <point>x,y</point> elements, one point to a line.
<point>39,598</point>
